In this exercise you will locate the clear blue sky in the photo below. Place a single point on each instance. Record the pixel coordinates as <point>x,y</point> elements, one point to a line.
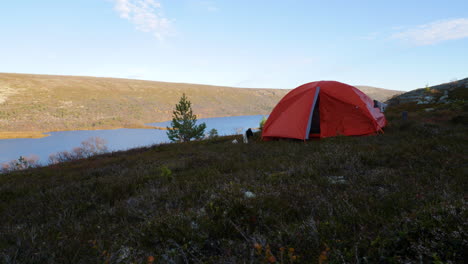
<point>246,43</point>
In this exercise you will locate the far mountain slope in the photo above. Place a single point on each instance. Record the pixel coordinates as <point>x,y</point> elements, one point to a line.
<point>50,103</point>
<point>41,103</point>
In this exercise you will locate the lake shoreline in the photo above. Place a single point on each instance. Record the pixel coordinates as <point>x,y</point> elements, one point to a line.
<point>117,138</point>
<point>43,134</point>
<point>39,134</point>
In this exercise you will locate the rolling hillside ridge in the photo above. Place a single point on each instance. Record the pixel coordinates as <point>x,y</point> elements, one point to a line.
<point>31,104</point>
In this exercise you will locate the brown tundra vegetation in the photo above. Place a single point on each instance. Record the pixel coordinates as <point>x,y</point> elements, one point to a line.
<point>399,197</point>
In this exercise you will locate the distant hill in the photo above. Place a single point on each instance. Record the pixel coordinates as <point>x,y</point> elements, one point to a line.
<point>379,94</point>
<point>40,103</point>
<point>49,103</point>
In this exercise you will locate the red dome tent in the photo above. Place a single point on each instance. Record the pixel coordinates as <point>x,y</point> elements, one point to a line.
<point>323,109</point>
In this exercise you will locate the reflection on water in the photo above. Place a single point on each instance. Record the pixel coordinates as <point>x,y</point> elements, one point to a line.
<point>117,139</point>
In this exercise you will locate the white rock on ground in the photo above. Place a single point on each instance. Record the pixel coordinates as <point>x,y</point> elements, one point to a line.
<point>337,179</point>
<point>248,194</point>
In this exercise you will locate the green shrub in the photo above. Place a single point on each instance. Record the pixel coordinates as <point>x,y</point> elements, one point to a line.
<point>262,123</point>
<point>213,134</point>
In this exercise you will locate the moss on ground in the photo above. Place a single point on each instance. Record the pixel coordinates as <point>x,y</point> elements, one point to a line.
<point>399,197</point>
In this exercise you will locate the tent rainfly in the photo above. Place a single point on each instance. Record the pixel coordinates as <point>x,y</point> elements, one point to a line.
<point>324,109</point>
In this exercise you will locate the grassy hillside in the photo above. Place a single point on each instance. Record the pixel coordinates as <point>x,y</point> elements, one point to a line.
<point>399,197</point>
<point>30,104</point>
<point>434,93</point>
<point>44,103</point>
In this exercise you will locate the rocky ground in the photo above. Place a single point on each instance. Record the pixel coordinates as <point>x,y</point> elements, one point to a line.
<point>441,93</point>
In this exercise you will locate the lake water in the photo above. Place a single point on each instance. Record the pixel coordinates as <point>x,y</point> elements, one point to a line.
<point>117,139</point>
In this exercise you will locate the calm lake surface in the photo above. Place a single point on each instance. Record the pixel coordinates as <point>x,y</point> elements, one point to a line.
<point>117,139</point>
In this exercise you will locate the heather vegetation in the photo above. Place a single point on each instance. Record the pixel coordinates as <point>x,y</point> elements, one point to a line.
<point>399,197</point>
<point>22,163</point>
<point>90,147</point>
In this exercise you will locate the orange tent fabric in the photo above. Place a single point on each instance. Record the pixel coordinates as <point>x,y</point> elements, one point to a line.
<point>341,109</point>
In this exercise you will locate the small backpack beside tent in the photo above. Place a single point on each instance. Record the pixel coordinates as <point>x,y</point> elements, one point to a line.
<point>323,109</point>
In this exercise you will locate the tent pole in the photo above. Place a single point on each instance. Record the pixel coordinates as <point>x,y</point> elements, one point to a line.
<point>317,90</point>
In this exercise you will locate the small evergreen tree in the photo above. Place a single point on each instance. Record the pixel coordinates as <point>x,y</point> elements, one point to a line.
<point>213,133</point>
<point>184,123</point>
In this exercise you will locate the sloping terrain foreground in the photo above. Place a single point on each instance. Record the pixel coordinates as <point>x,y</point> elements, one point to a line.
<point>399,197</point>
